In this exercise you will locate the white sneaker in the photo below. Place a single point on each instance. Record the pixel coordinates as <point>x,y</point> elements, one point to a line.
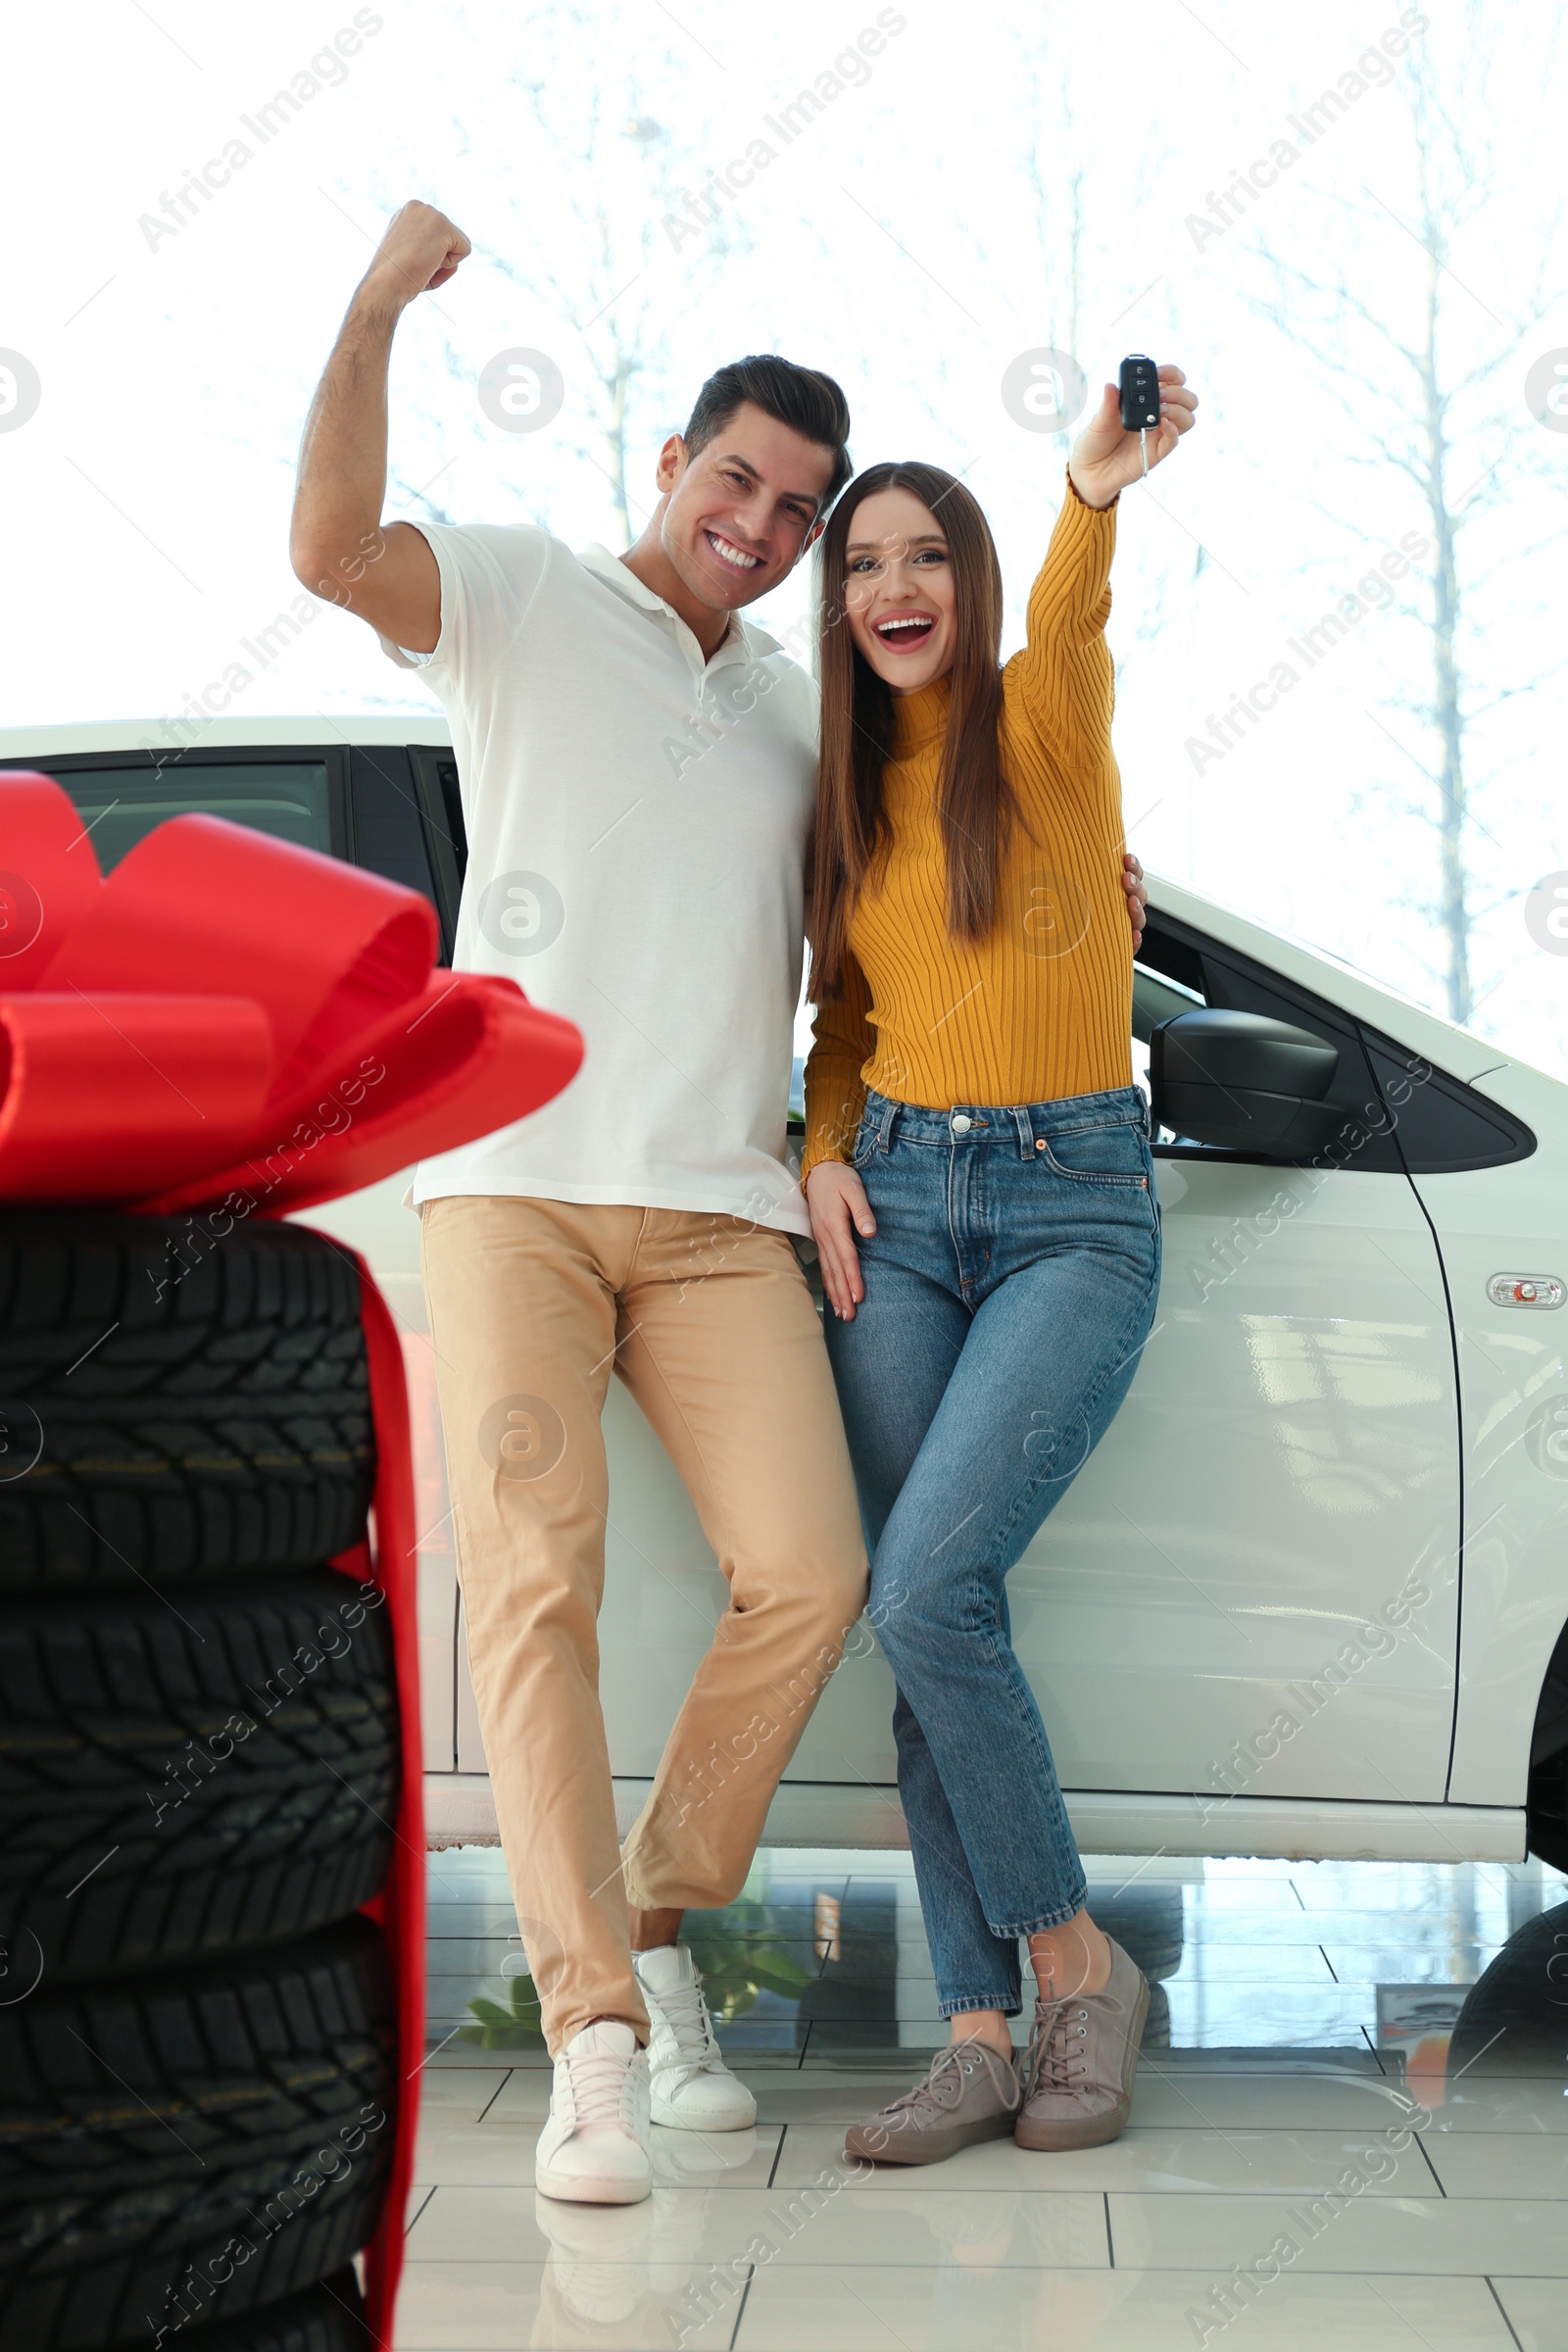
<point>691,2088</point>
<point>594,2148</point>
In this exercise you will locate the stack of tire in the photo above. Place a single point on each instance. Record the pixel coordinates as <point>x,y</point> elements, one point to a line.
<point>199,1761</point>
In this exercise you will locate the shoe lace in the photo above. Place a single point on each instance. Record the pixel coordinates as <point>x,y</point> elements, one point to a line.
<point>597,2079</point>
<point>685,2011</point>
<point>942,2085</point>
<point>1058,2047</point>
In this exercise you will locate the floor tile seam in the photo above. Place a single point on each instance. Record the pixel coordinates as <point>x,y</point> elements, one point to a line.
<point>674,2189</point>
<point>497,2126</point>
<point>1309,2073</point>
<point>1419,2139</point>
<point>892,2188</point>
<point>1502,2307</point>
<point>1134,2133</point>
<point>1381,2193</point>
<point>735,2331</point>
<point>1432,2208</point>
<point>1176,2132</point>
<point>1487,2132</point>
<point>496,2129</point>
<point>1373,2047</point>
<point>495,2094</point>
<point>424,2201</point>
<point>1177,2270</point>
<point>1439,2193</point>
<point>1022,2265</point>
<point>1124,2271</point>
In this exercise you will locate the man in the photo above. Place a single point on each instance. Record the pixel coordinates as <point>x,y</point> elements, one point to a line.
<point>637,767</point>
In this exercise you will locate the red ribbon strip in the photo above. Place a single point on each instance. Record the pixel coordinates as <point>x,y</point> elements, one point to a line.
<point>227,1014</point>
<point>400,1904</point>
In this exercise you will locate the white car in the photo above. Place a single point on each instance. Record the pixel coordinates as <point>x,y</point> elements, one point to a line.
<point>1309,1598</point>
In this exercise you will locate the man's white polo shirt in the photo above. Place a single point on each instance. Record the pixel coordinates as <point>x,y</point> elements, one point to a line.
<point>637,823</point>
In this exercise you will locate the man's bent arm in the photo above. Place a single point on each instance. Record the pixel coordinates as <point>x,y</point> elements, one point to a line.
<point>337,545</point>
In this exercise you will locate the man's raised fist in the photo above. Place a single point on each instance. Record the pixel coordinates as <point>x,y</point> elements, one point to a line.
<point>420,250</point>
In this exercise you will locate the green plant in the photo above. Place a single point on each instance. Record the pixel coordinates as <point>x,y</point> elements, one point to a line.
<point>740,1952</point>
<point>506,2029</point>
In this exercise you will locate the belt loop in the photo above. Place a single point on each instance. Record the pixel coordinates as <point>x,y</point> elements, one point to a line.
<point>884,1133</point>
<point>1026,1130</point>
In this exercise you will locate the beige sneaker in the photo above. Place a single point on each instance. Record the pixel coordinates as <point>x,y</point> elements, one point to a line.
<point>970,2093</point>
<point>1083,2055</point>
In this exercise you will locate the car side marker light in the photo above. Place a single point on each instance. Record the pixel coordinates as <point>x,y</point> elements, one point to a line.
<point>1526,1290</point>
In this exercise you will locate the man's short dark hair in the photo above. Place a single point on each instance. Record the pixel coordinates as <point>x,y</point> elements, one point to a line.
<point>809,402</point>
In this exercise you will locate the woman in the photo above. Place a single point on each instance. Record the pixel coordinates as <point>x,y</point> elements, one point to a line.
<point>979,1181</point>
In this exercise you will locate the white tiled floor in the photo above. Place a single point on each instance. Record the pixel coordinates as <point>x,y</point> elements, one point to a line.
<point>1269,2089</point>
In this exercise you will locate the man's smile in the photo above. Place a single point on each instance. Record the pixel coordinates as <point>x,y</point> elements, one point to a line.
<point>728,553</point>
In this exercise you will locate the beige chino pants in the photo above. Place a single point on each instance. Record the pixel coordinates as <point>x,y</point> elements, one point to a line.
<point>709,1321</point>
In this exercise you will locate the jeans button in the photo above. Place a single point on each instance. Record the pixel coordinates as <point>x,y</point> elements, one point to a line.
<point>961,1122</point>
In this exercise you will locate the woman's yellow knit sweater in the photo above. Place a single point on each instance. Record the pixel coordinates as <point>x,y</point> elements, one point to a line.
<point>1042,1007</point>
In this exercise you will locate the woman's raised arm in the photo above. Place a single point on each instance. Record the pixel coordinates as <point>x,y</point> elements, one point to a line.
<point>1066,669</point>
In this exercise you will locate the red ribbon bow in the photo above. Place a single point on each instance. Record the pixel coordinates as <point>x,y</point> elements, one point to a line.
<point>228,1013</point>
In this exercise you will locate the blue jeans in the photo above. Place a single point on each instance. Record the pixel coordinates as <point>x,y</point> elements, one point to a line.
<point>1009,1289</point>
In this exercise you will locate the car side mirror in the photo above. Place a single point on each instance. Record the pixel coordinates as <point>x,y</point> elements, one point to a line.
<point>1242,1083</point>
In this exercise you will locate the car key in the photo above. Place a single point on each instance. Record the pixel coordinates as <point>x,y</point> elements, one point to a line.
<point>1140,398</point>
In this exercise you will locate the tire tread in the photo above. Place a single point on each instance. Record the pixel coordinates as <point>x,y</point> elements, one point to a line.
<point>198,1406</point>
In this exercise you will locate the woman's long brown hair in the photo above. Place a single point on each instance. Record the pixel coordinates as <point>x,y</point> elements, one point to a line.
<point>975,803</point>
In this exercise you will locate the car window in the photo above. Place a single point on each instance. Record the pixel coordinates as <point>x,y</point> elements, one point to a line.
<point>1167,979</point>
<point>434,774</point>
<point>371,805</point>
<point>438,773</point>
<point>1399,1115</point>
<point>286,798</point>
<point>795,1118</point>
<point>1156,997</point>
<point>1183,967</point>
<point>389,834</point>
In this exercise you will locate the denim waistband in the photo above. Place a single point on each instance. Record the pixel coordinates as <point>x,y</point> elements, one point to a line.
<point>973,1124</point>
